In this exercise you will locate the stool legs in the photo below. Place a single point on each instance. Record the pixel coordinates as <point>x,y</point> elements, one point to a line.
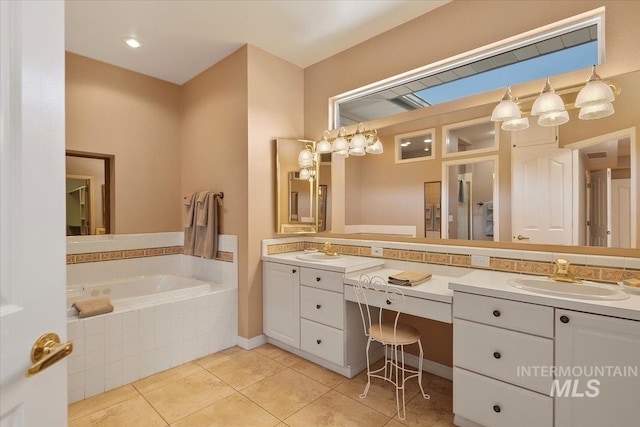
<point>425,395</point>
<point>366,389</point>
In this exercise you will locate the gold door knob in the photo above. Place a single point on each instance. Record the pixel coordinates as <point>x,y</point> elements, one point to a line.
<point>46,351</point>
<point>521,237</point>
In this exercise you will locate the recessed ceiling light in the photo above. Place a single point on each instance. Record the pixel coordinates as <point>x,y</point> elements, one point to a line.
<point>405,144</point>
<point>132,42</point>
<point>427,140</point>
<point>427,149</point>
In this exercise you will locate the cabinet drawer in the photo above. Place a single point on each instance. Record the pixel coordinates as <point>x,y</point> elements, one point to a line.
<point>329,280</point>
<point>440,311</point>
<point>499,353</point>
<point>322,341</point>
<point>322,306</point>
<point>519,316</point>
<point>490,402</point>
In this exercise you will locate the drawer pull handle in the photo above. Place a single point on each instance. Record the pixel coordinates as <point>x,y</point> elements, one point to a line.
<point>564,319</point>
<point>496,409</point>
<point>496,313</point>
<point>319,341</point>
<point>294,271</point>
<point>318,306</point>
<point>388,302</point>
<point>497,355</point>
<point>317,279</point>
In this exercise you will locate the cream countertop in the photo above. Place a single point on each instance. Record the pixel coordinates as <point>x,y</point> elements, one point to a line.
<point>344,264</point>
<point>436,288</point>
<point>494,284</point>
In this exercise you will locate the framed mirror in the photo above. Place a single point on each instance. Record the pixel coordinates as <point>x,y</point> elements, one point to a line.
<point>297,197</point>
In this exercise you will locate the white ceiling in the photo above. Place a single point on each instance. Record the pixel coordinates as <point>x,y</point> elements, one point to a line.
<point>183,38</point>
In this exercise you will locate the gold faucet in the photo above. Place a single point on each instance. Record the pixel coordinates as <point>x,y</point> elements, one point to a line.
<point>562,274</point>
<point>328,249</point>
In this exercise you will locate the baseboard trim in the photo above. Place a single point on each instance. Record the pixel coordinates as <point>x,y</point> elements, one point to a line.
<point>251,343</point>
<point>430,366</point>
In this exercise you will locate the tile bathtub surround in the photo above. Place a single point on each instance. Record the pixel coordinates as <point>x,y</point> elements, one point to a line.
<point>588,267</point>
<point>221,394</point>
<point>136,253</point>
<point>121,347</point>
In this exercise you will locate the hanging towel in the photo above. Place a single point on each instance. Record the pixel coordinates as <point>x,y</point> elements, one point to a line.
<point>189,223</point>
<point>201,208</point>
<point>206,236</point>
<point>487,218</point>
<point>93,307</point>
<point>460,191</point>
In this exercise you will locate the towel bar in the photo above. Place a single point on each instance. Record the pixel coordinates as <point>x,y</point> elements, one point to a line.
<point>220,194</point>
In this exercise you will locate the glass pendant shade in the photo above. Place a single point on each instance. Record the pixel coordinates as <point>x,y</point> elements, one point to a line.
<point>340,144</point>
<point>305,159</point>
<point>323,146</point>
<point>595,92</point>
<point>357,151</point>
<point>547,102</point>
<point>358,141</point>
<point>506,109</point>
<point>515,125</point>
<point>554,118</point>
<point>375,148</point>
<point>598,111</point>
<point>341,154</point>
<point>305,174</point>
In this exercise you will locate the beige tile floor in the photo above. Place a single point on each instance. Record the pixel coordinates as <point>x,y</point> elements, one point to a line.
<point>266,386</point>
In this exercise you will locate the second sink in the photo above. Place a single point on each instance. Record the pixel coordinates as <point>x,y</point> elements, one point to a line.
<point>585,290</point>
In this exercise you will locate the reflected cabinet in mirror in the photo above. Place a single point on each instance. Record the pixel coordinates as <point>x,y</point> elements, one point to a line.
<point>572,184</point>
<point>302,196</point>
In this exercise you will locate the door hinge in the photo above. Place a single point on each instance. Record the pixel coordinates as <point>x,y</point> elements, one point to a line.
<point>608,232</point>
<point>588,223</point>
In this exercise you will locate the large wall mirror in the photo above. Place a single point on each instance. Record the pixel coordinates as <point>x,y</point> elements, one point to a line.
<point>574,184</point>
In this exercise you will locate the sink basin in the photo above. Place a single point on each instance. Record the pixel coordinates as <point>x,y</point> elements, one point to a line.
<point>318,257</point>
<point>584,290</point>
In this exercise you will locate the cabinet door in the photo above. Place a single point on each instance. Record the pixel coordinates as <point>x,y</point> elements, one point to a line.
<point>281,301</point>
<point>588,342</point>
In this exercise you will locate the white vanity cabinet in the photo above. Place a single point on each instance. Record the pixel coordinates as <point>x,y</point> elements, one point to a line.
<point>492,338</point>
<point>585,341</point>
<point>305,309</point>
<point>281,303</point>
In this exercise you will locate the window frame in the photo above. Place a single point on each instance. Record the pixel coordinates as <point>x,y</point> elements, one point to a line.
<point>398,149</point>
<point>452,126</point>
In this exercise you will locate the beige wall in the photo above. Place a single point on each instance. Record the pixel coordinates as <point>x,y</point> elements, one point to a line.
<point>392,53</point>
<point>230,115</point>
<point>135,118</point>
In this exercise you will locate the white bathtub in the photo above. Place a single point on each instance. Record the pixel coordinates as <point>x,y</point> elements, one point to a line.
<point>140,291</point>
<point>158,322</point>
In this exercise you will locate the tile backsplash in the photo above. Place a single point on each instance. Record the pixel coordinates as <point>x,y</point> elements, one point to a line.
<point>589,267</point>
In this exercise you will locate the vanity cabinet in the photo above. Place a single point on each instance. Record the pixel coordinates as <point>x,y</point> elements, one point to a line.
<point>281,303</point>
<point>305,309</point>
<point>586,341</point>
<point>492,339</point>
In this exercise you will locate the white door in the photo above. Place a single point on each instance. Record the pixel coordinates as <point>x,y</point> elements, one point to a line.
<point>32,247</point>
<point>600,208</point>
<point>589,347</point>
<point>621,213</point>
<point>541,195</point>
<point>281,296</point>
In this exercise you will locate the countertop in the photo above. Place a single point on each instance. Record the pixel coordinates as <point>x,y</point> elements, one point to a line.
<point>436,288</point>
<point>494,284</point>
<point>345,264</point>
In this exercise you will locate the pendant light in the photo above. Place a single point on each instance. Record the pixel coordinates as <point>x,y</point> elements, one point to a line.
<point>595,92</point>
<point>597,111</point>
<point>506,109</point>
<point>548,101</point>
<point>515,125</point>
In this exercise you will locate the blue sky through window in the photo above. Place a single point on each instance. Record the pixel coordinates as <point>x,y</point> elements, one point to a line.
<point>570,59</point>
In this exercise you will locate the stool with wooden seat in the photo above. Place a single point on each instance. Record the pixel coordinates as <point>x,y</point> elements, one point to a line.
<point>392,334</point>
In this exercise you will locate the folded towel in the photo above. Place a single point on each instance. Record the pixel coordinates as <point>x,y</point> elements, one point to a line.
<point>189,207</point>
<point>632,282</point>
<point>93,307</point>
<point>409,278</point>
<point>201,208</point>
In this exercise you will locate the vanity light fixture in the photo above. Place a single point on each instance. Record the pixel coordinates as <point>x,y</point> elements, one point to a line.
<point>132,42</point>
<point>507,109</point>
<point>594,101</point>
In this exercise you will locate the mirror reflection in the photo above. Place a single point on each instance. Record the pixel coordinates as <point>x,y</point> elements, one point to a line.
<point>87,195</point>
<point>297,207</point>
<point>383,195</point>
<point>432,209</point>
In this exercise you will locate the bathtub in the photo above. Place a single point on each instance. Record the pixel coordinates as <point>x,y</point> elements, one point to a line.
<point>158,322</point>
<point>138,292</point>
